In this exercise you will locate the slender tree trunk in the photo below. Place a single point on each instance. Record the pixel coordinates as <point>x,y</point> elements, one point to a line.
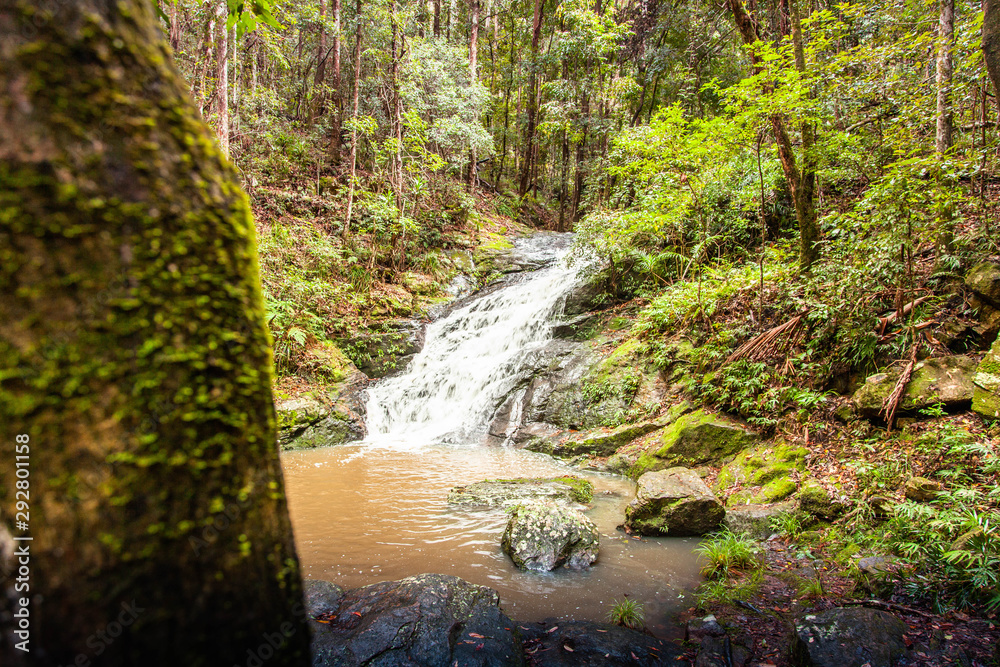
<point>805,200</point>
<point>473,77</point>
<point>354,124</point>
<point>175,30</point>
<point>946,44</point>
<point>802,181</point>
<point>437,18</point>
<point>206,58</point>
<point>338,98</point>
<point>136,363</point>
<point>943,133</point>
<point>581,157</point>
<point>530,149</point>
<point>222,75</point>
<point>319,77</point>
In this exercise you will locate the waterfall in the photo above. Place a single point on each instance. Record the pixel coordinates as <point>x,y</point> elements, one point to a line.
<point>475,356</point>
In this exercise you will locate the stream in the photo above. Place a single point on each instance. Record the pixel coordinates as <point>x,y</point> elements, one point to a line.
<point>377,510</point>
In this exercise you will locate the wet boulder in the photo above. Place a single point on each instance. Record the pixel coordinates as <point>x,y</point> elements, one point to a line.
<point>426,620</point>
<point>848,637</point>
<point>321,597</point>
<point>558,643</point>
<point>383,352</point>
<point>596,442</point>
<point>505,492</point>
<point>310,421</point>
<point>674,502</point>
<point>986,393</point>
<point>945,380</point>
<point>543,536</point>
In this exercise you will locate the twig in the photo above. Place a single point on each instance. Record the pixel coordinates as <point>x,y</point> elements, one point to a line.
<point>892,400</point>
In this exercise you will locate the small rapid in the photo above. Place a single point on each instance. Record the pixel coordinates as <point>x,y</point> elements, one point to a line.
<point>473,357</point>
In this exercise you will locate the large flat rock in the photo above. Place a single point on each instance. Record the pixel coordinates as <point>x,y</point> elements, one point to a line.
<point>428,620</point>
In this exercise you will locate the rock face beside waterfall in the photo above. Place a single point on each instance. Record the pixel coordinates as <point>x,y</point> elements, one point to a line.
<point>674,502</point>
<point>319,421</point>
<point>543,536</point>
<point>427,619</point>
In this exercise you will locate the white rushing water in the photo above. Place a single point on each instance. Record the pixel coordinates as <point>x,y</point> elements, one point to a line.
<point>473,357</point>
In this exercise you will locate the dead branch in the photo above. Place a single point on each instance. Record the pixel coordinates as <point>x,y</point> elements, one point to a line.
<point>769,342</point>
<point>892,400</point>
<point>891,317</point>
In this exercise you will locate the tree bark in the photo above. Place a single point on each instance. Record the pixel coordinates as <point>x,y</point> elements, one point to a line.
<point>136,363</point>
<point>345,230</point>
<point>222,75</point>
<point>801,181</point>
<point>946,43</point>
<point>991,42</point>
<point>437,18</point>
<point>530,149</point>
<point>473,77</point>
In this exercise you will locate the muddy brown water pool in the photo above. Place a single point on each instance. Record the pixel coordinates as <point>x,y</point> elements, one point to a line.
<point>368,513</point>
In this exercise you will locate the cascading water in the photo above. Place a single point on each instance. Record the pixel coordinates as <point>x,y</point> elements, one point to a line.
<point>475,356</point>
<point>378,510</point>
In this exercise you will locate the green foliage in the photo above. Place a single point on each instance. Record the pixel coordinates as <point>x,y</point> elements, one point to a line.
<point>727,553</point>
<point>790,525</point>
<point>627,613</point>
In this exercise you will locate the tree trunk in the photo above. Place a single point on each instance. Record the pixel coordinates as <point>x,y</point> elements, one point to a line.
<point>222,75</point>
<point>354,125</point>
<point>802,181</point>
<point>943,134</point>
<point>437,18</point>
<point>338,103</point>
<point>805,198</point>
<point>991,42</point>
<point>532,104</point>
<point>136,363</point>
<point>946,43</point>
<point>319,77</point>
<point>473,55</point>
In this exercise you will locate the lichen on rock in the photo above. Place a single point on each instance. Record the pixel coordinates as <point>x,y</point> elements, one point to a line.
<point>543,536</point>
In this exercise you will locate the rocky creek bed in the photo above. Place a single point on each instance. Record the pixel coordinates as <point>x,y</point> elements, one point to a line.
<point>589,397</point>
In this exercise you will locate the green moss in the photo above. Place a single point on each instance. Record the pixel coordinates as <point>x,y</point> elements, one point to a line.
<point>582,490</point>
<point>703,437</point>
<point>134,326</point>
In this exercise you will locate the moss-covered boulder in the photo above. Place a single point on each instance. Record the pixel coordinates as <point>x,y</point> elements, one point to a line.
<point>984,280</point>
<point>921,489</point>
<point>764,474</point>
<point>543,536</point>
<point>942,380</point>
<point>814,499</point>
<point>504,492</point>
<point>673,502</point>
<point>703,437</point>
<point>755,520</point>
<point>306,422</point>
<point>986,381</point>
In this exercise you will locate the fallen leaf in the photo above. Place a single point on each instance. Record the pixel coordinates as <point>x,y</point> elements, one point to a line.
<point>552,629</point>
<point>477,636</point>
<point>567,648</point>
